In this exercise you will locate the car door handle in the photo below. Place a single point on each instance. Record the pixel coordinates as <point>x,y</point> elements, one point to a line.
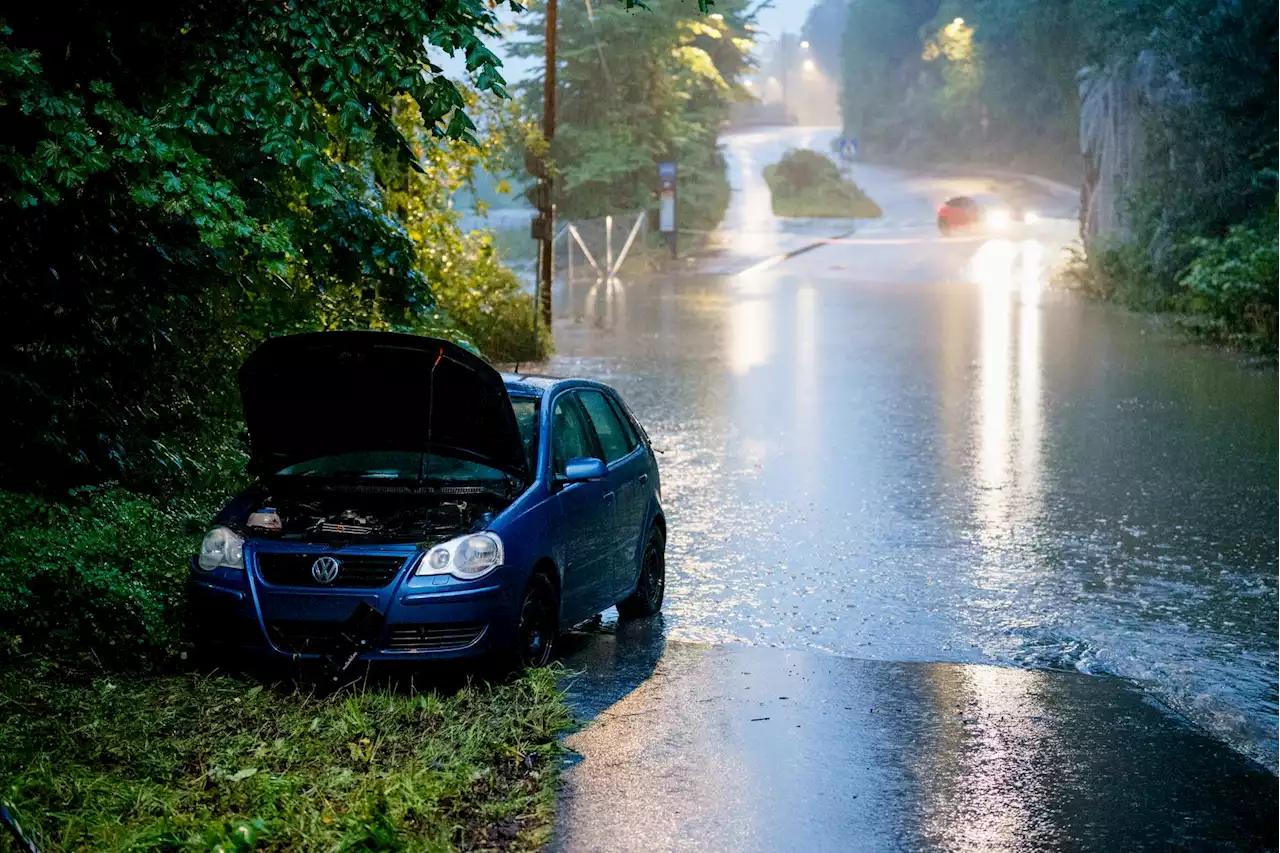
<point>608,497</point>
<point>644,478</point>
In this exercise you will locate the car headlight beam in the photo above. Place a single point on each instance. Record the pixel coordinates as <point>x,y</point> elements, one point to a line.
<point>998,217</point>
<point>222,548</point>
<point>466,558</point>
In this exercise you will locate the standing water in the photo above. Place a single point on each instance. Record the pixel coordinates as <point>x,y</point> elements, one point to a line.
<point>900,448</point>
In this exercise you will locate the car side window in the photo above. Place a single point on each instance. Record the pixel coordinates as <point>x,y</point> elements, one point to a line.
<point>632,422</point>
<point>569,439</point>
<point>614,442</point>
<point>628,428</point>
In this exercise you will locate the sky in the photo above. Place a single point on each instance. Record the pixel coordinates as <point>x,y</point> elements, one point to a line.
<point>785,16</point>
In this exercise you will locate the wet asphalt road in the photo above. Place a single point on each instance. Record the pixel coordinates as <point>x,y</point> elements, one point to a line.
<point>893,451</point>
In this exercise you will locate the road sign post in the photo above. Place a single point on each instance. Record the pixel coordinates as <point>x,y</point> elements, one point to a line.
<point>849,148</point>
<point>667,204</point>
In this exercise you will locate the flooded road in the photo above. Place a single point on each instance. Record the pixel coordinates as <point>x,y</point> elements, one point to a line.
<point>901,448</point>
<point>892,451</point>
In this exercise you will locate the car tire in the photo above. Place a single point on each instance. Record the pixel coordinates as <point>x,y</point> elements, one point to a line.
<point>538,627</point>
<point>652,585</point>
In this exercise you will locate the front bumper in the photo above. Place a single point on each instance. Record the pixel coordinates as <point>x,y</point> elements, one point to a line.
<point>409,618</point>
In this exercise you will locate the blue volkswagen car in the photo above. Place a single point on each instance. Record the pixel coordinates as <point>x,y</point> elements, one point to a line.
<point>412,503</point>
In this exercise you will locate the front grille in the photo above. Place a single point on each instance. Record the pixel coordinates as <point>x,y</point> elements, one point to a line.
<point>436,638</point>
<point>310,638</point>
<point>360,571</point>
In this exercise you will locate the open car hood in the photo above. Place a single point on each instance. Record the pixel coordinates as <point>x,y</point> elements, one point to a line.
<point>312,395</point>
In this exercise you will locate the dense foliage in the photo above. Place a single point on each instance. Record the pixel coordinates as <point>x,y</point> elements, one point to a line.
<point>1233,280</point>
<point>635,88</point>
<point>97,576</point>
<point>805,183</point>
<point>218,763</point>
<point>999,81</point>
<point>919,76</point>
<point>179,180</point>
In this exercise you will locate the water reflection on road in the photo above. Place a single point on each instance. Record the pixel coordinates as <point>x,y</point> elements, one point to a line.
<point>909,449</point>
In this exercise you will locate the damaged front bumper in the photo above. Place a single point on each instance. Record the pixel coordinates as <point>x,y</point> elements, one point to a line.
<point>380,611</point>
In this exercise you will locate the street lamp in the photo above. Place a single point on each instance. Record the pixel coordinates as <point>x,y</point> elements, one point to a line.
<point>804,45</point>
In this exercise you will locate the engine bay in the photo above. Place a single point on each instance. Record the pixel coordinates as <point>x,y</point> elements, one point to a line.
<point>369,514</point>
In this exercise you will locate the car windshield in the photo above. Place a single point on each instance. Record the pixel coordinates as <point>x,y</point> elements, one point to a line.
<point>393,465</point>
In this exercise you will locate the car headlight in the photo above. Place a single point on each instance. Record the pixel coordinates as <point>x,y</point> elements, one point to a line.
<point>466,557</point>
<point>997,218</point>
<point>1031,217</point>
<point>223,547</point>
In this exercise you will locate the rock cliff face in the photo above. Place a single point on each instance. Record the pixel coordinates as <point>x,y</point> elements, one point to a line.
<point>1115,104</point>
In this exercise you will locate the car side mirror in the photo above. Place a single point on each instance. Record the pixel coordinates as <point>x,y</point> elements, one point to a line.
<point>584,468</point>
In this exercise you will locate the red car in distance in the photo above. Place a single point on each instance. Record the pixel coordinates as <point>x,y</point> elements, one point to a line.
<point>991,214</point>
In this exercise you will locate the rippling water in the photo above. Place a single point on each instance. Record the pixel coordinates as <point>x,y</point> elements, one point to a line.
<point>956,471</point>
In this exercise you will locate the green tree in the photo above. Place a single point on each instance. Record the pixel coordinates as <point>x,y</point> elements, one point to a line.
<point>881,72</point>
<point>178,180</point>
<point>636,87</point>
<point>823,29</point>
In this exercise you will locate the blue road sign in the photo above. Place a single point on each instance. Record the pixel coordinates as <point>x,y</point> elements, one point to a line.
<point>849,148</point>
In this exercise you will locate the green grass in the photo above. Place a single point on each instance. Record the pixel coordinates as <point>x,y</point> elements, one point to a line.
<point>193,762</point>
<point>829,196</point>
<point>826,203</point>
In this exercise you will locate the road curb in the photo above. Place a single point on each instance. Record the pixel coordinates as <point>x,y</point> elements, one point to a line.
<point>769,263</point>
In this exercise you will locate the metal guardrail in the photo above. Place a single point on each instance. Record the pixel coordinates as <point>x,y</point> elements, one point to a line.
<point>601,266</point>
<point>611,266</point>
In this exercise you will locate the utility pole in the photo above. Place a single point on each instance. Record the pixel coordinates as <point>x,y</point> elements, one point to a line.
<point>544,224</point>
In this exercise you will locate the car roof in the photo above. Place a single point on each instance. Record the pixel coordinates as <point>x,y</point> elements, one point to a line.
<point>527,385</point>
<point>534,385</point>
<point>979,198</point>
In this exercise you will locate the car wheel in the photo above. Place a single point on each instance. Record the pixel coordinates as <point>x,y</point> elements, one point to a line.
<point>539,624</point>
<point>647,599</point>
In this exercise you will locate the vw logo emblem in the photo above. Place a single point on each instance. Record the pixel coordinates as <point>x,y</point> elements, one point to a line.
<point>325,570</point>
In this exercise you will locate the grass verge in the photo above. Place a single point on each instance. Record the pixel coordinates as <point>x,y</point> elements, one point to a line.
<point>805,183</point>
<point>846,201</point>
<point>193,762</point>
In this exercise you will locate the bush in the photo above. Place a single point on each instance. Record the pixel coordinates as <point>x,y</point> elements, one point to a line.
<point>805,183</point>
<point>1119,271</point>
<point>1233,281</point>
<point>484,301</point>
<point>99,576</point>
<point>802,169</point>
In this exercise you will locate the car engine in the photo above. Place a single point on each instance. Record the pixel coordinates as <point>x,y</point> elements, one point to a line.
<point>367,514</point>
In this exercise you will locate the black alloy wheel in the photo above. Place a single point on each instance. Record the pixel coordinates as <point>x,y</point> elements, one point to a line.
<point>539,617</point>
<point>647,599</point>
